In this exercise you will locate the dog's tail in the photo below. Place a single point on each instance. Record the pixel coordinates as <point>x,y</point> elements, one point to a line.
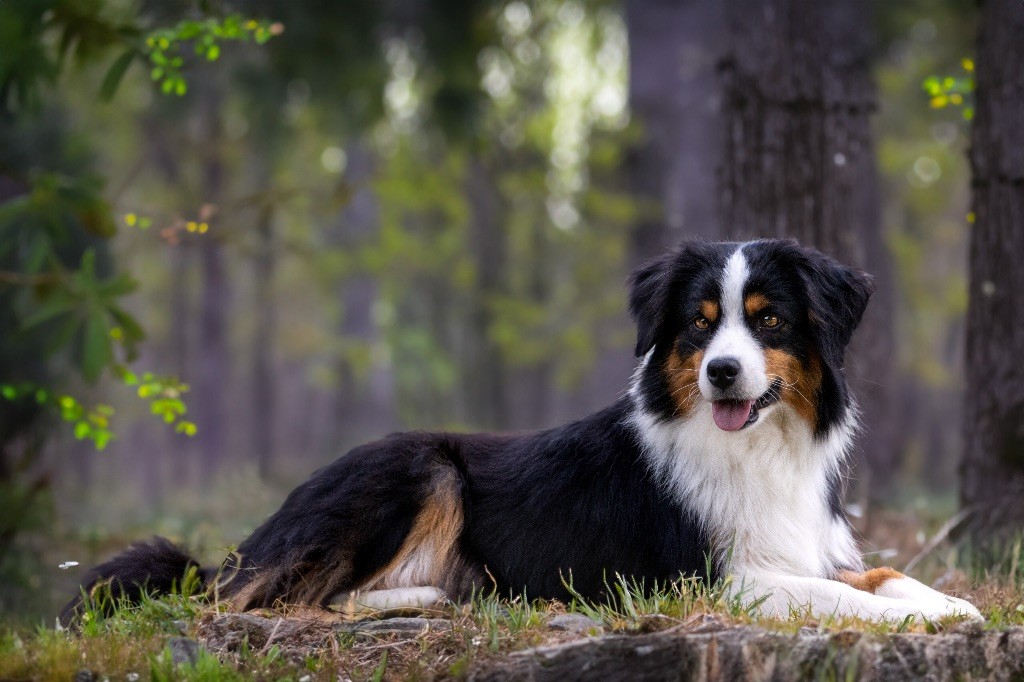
<point>155,567</point>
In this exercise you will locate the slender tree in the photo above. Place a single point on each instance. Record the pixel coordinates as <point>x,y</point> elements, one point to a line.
<point>675,46</point>
<point>993,463</point>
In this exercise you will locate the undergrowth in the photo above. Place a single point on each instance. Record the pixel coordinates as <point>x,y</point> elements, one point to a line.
<point>131,642</point>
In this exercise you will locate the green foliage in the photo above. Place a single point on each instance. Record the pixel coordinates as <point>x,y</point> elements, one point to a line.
<point>955,91</point>
<point>163,46</point>
<point>63,295</point>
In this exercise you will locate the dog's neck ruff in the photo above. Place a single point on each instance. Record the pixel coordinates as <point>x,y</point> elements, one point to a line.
<point>762,493</point>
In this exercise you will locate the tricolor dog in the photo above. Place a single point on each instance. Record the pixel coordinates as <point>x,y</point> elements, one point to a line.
<point>726,456</point>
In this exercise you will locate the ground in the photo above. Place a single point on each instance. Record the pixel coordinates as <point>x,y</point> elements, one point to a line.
<point>683,630</point>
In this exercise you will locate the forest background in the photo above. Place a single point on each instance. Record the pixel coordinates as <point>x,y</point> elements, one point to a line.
<point>238,239</point>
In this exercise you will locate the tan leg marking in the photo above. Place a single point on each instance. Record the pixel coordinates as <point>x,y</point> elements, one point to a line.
<point>429,551</point>
<point>869,581</point>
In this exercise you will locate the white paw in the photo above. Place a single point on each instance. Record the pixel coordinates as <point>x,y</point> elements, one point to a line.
<point>930,603</point>
<point>961,607</point>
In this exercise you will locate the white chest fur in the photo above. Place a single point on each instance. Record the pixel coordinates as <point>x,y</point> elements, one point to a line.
<point>762,493</point>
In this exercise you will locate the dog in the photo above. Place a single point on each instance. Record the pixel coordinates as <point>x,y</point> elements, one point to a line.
<point>725,457</point>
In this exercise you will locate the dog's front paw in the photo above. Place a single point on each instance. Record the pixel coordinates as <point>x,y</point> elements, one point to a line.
<point>963,608</point>
<point>931,603</point>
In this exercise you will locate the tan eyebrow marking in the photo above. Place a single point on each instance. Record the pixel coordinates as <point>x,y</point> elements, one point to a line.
<point>710,310</point>
<point>755,302</point>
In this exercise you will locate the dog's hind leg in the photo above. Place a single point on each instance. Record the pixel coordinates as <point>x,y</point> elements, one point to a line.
<point>430,564</point>
<point>387,515</point>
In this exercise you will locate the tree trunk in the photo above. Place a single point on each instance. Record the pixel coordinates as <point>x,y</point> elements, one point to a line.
<point>484,372</point>
<point>674,95</point>
<point>993,464</point>
<point>364,403</point>
<point>798,162</point>
<point>214,358</point>
<point>264,309</point>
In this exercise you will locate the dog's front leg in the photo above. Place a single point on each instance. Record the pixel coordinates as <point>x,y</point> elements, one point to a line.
<point>782,595</point>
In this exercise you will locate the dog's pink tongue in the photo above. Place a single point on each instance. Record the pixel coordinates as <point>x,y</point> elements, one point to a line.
<point>731,415</point>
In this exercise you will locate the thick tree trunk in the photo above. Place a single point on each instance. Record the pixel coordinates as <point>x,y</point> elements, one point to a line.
<point>993,464</point>
<point>798,162</point>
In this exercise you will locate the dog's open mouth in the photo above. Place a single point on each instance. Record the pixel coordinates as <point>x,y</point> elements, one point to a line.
<point>733,415</point>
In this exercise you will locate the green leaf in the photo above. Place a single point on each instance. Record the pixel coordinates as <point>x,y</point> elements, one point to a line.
<point>82,430</point>
<point>58,305</point>
<point>101,438</point>
<point>115,74</point>
<point>96,352</point>
<point>186,427</point>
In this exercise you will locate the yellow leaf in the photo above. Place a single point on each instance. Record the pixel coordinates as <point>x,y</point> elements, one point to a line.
<point>968,64</point>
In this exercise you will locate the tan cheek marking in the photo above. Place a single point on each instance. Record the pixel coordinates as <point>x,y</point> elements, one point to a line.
<point>710,310</point>
<point>682,374</point>
<point>800,384</point>
<point>869,581</point>
<point>754,302</point>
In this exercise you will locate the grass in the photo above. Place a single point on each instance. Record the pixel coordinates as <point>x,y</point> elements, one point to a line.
<point>133,641</point>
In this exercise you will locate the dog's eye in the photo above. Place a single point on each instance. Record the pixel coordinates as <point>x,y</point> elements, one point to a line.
<point>701,323</point>
<point>770,321</point>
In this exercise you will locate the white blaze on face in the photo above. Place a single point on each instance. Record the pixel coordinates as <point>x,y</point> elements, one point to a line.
<point>733,339</point>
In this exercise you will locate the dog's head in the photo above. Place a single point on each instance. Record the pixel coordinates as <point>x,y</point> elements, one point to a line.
<point>748,328</point>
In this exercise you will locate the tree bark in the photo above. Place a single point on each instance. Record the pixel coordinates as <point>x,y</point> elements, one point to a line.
<point>214,358</point>
<point>364,402</point>
<point>674,48</point>
<point>263,383</point>
<point>993,464</point>
<point>798,162</point>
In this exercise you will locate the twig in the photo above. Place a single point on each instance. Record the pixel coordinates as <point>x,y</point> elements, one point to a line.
<point>384,646</point>
<point>947,528</point>
<point>270,639</point>
<point>23,278</point>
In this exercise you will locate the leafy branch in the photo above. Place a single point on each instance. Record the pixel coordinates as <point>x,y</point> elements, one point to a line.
<point>162,49</point>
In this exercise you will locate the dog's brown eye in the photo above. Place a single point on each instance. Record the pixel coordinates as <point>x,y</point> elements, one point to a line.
<point>701,323</point>
<point>769,321</point>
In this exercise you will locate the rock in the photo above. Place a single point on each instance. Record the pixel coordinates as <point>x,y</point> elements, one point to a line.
<point>575,622</point>
<point>85,675</point>
<point>751,653</point>
<point>184,651</point>
<point>181,626</point>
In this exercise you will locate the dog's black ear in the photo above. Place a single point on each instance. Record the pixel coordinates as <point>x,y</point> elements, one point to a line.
<point>838,296</point>
<point>649,289</point>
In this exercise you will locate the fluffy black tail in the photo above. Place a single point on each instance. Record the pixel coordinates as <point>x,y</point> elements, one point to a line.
<point>154,567</point>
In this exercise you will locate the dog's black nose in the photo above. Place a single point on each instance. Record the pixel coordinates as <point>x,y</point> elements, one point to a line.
<point>722,372</point>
